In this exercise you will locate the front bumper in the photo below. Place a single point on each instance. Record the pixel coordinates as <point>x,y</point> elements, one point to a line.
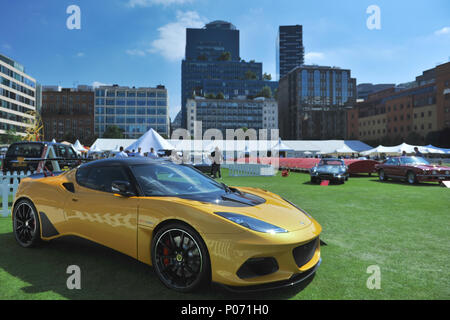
<point>294,280</point>
<point>229,254</point>
<point>432,177</point>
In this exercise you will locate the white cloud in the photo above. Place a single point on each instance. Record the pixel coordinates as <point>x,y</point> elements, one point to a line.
<point>172,36</point>
<point>97,84</point>
<point>6,46</point>
<point>80,54</point>
<point>314,57</point>
<point>148,3</point>
<point>136,52</point>
<point>444,30</point>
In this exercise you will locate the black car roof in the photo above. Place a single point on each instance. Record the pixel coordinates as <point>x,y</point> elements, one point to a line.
<point>122,161</point>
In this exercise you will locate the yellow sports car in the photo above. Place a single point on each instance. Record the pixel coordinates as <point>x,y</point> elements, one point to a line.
<point>189,227</point>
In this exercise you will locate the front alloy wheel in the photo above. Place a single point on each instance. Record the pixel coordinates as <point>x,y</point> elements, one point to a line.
<point>411,177</point>
<point>26,224</point>
<point>382,175</point>
<point>180,258</point>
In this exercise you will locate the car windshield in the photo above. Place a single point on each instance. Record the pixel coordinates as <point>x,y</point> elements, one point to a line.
<point>167,179</point>
<point>27,150</point>
<point>331,163</point>
<point>413,160</point>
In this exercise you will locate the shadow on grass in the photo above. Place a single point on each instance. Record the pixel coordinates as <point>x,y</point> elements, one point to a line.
<point>400,182</point>
<point>105,273</point>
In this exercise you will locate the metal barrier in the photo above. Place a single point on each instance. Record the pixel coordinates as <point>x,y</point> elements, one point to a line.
<point>9,183</point>
<point>249,170</point>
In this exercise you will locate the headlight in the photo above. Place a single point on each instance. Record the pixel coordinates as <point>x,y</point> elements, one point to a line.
<point>251,223</point>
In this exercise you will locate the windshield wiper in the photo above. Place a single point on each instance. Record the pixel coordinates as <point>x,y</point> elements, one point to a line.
<point>227,188</point>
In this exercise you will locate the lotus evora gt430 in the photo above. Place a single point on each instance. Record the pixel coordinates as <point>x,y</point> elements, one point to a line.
<point>189,227</point>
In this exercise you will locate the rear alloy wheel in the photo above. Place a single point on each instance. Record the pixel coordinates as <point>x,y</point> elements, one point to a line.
<point>382,175</point>
<point>26,224</point>
<point>180,258</point>
<point>411,177</point>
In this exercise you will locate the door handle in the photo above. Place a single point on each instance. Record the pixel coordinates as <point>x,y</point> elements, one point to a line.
<point>74,200</point>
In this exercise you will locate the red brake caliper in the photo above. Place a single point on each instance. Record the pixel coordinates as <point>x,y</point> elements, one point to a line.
<point>166,253</point>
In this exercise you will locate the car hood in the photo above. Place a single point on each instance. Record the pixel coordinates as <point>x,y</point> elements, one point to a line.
<point>273,210</point>
<point>329,169</point>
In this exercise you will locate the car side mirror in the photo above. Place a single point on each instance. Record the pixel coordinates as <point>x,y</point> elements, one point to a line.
<point>122,187</point>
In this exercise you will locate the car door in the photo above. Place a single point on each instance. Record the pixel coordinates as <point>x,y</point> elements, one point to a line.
<point>396,168</point>
<point>388,167</point>
<point>98,214</point>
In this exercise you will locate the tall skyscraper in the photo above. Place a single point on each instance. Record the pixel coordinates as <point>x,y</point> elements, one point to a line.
<point>290,51</point>
<point>213,65</point>
<point>17,97</point>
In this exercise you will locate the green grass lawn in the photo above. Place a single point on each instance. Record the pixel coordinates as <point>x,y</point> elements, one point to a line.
<point>401,228</point>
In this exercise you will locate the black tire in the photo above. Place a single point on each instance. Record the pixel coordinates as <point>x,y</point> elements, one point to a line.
<point>26,224</point>
<point>411,177</point>
<point>313,180</point>
<point>184,268</point>
<point>382,176</point>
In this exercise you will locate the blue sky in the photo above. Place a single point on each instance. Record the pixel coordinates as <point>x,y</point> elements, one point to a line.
<point>141,42</point>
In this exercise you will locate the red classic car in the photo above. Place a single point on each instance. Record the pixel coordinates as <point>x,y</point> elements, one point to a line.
<point>412,169</point>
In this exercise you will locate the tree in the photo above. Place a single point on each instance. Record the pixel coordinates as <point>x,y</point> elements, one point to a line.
<point>225,56</point>
<point>414,138</point>
<point>266,92</point>
<point>10,136</point>
<point>267,76</point>
<point>210,96</point>
<point>220,96</point>
<point>250,75</point>
<point>113,132</point>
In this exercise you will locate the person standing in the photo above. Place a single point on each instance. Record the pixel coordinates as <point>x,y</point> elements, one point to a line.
<point>417,152</point>
<point>216,160</point>
<point>121,154</point>
<point>152,154</point>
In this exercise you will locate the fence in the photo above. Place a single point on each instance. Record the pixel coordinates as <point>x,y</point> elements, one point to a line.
<point>9,183</point>
<point>249,169</point>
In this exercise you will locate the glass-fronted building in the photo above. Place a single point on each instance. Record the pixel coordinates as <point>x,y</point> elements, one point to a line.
<point>258,113</point>
<point>134,110</point>
<point>313,102</point>
<point>17,97</point>
<point>213,65</point>
<point>290,52</point>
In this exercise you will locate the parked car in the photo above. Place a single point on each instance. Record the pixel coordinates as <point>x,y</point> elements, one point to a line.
<point>27,155</point>
<point>189,227</point>
<point>331,169</point>
<point>412,170</point>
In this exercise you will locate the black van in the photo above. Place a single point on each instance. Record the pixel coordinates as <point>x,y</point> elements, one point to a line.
<point>27,155</point>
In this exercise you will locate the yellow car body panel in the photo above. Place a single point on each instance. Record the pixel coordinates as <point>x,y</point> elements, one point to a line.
<point>127,224</point>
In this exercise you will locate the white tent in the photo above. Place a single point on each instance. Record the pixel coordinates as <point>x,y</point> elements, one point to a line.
<point>94,149</point>
<point>280,146</point>
<point>150,139</point>
<point>53,141</point>
<point>78,146</point>
<point>345,150</point>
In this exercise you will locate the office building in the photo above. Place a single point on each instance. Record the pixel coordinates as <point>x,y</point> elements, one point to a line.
<point>290,52</point>
<point>213,65</point>
<point>397,115</point>
<point>68,113</point>
<point>312,102</point>
<point>17,97</point>
<point>258,113</point>
<point>134,110</point>
<point>364,89</point>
